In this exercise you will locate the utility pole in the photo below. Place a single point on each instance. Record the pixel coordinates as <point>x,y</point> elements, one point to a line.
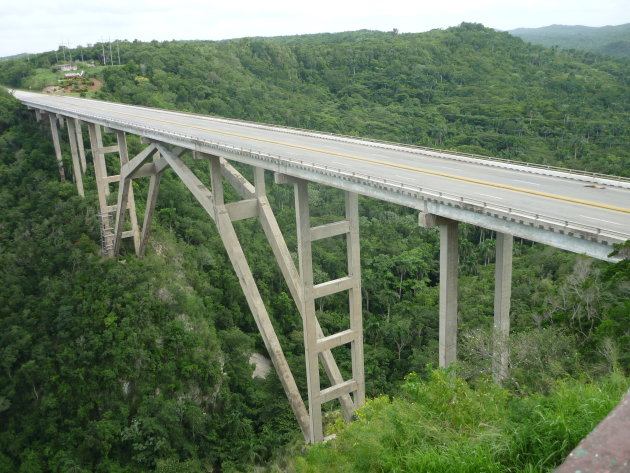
<point>104,57</point>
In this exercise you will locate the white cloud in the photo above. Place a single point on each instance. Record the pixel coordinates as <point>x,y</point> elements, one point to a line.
<point>35,25</point>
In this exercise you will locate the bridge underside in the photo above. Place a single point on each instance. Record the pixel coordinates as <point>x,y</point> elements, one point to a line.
<point>119,221</point>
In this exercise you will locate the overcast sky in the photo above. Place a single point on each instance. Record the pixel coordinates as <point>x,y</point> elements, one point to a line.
<point>35,25</point>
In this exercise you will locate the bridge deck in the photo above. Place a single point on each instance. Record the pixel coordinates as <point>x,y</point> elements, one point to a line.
<point>570,210</point>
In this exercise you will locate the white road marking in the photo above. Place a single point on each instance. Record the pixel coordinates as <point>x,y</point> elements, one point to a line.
<point>488,195</point>
<point>527,182</point>
<point>600,220</point>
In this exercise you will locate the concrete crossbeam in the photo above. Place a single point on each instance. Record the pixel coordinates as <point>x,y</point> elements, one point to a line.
<point>335,391</point>
<point>330,230</point>
<point>242,209</point>
<point>336,340</point>
<point>332,287</point>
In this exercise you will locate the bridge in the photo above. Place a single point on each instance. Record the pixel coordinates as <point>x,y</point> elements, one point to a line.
<point>581,212</point>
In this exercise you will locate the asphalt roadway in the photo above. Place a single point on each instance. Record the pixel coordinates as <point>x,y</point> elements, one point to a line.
<point>600,203</point>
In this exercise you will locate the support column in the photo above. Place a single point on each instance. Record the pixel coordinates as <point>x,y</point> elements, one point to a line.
<point>308,310</point>
<point>289,270</point>
<point>154,189</point>
<point>502,297</point>
<point>98,157</point>
<point>79,138</point>
<point>102,186</point>
<point>130,199</point>
<point>215,206</point>
<point>76,166</point>
<point>55,136</point>
<point>316,344</point>
<point>356,306</point>
<point>448,291</point>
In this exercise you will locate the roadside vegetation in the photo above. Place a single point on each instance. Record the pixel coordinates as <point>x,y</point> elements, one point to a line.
<point>446,425</point>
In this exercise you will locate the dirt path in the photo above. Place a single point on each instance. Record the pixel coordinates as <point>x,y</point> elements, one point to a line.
<point>96,84</point>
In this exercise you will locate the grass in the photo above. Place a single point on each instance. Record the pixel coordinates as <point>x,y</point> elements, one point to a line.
<point>444,425</point>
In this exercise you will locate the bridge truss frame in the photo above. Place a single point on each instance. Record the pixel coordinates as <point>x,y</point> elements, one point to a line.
<point>436,210</point>
<point>156,158</point>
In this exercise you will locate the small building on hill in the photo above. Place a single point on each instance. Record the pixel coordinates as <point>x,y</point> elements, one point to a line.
<point>67,67</point>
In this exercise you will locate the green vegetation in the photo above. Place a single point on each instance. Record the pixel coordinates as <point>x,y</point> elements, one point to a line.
<point>40,78</point>
<point>136,365</point>
<point>443,425</point>
<point>608,40</point>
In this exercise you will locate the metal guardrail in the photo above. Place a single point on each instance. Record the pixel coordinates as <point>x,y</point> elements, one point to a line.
<point>410,148</point>
<point>524,217</point>
<point>452,155</point>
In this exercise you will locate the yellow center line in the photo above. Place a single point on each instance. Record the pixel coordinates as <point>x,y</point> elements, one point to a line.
<point>376,161</point>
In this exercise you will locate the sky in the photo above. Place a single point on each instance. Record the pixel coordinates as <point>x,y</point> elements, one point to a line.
<point>34,26</point>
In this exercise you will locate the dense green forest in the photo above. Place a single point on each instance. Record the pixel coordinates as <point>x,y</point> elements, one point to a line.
<point>132,365</point>
<point>608,40</point>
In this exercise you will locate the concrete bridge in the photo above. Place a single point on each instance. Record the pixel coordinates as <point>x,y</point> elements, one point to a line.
<point>580,212</point>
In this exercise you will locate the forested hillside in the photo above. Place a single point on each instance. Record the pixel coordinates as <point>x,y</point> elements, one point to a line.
<point>134,365</point>
<point>609,40</point>
<point>469,88</point>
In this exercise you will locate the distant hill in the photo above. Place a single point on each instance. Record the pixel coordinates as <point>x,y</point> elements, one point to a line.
<point>15,56</point>
<point>608,40</point>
